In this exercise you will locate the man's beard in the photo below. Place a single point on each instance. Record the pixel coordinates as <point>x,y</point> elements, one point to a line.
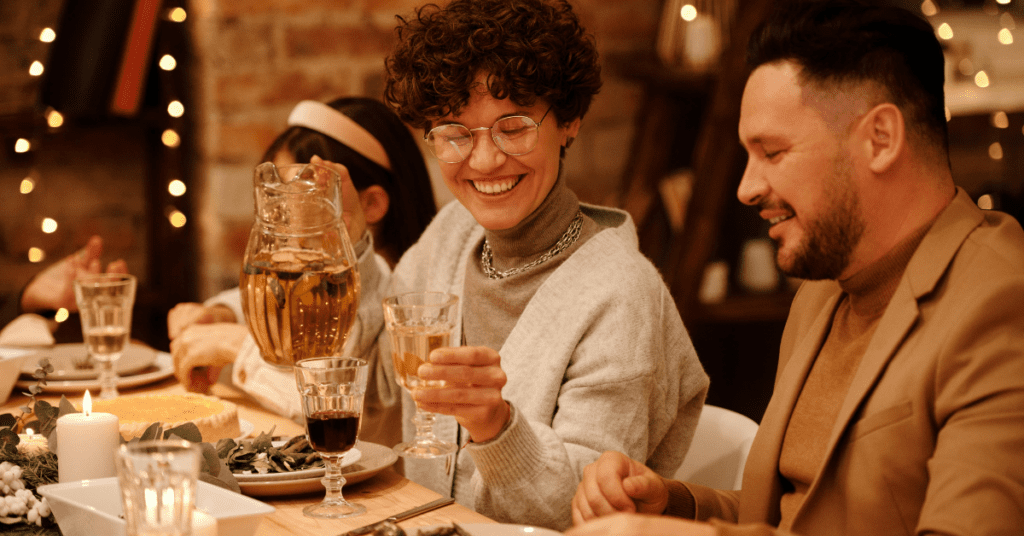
<point>831,239</point>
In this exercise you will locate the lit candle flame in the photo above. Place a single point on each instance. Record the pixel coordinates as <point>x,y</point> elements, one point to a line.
<point>30,432</point>
<point>87,403</point>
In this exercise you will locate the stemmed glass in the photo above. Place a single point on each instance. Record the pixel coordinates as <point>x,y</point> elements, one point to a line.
<point>332,390</point>
<point>418,323</point>
<point>105,304</point>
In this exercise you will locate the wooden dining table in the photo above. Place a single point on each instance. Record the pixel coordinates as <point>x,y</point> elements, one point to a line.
<point>384,494</point>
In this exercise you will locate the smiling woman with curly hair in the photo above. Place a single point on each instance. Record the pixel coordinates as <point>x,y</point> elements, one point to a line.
<point>570,342</point>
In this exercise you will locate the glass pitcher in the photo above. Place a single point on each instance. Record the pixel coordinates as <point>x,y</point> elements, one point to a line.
<point>299,280</point>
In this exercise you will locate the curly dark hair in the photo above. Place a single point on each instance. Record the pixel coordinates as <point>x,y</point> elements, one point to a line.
<point>531,49</point>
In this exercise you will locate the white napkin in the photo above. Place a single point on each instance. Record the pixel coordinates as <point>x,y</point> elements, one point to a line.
<point>28,330</point>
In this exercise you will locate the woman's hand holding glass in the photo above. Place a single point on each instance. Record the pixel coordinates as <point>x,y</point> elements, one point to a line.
<point>472,393</point>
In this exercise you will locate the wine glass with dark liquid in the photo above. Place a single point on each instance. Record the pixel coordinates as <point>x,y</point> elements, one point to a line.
<point>418,323</point>
<point>332,390</point>
<point>299,280</point>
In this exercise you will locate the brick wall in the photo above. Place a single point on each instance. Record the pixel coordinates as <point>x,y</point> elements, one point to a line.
<point>257,58</point>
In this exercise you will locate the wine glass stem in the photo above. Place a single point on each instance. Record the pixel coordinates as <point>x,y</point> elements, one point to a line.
<point>424,422</point>
<point>108,380</point>
<point>333,480</point>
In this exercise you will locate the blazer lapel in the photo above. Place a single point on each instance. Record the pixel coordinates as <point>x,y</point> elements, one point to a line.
<point>761,476</point>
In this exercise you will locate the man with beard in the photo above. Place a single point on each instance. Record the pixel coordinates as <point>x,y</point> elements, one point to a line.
<point>899,398</point>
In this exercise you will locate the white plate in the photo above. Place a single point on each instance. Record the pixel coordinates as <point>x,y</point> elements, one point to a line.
<point>491,529</point>
<point>162,368</point>
<point>348,459</point>
<point>375,458</point>
<point>246,427</point>
<point>137,357</point>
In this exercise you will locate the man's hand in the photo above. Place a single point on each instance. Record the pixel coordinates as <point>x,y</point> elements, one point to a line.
<point>473,390</point>
<point>201,350</point>
<point>641,525</point>
<point>616,483</point>
<point>54,287</point>
<point>184,315</point>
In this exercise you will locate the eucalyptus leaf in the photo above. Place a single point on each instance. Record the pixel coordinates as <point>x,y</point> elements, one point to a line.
<point>187,431</point>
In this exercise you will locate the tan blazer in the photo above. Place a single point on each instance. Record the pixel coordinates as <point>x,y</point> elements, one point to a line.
<point>930,437</point>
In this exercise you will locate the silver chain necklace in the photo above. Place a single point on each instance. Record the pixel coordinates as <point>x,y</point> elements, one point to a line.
<point>567,239</point>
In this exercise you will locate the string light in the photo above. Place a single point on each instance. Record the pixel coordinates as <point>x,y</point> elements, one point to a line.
<point>177,15</point>
<point>1000,120</point>
<point>945,31</point>
<point>985,202</point>
<point>176,188</point>
<point>21,145</point>
<point>54,118</point>
<point>62,315</point>
<point>177,219</point>
<point>49,225</point>
<point>175,109</point>
<point>170,138</point>
<point>928,8</point>
<point>949,114</point>
<point>36,68</point>
<point>995,151</point>
<point>1005,36</point>
<point>981,79</point>
<point>1003,2</point>
<point>167,62</point>
<point>27,185</point>
<point>36,255</point>
<point>47,35</point>
<point>688,13</point>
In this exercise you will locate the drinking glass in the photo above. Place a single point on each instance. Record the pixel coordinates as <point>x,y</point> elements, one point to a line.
<point>299,279</point>
<point>332,390</point>
<point>105,304</point>
<point>418,323</point>
<point>158,481</point>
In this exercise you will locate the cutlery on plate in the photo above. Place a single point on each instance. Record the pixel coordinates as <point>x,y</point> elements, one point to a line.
<point>401,516</point>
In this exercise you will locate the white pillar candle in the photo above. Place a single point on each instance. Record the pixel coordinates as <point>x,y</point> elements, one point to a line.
<point>203,524</point>
<point>86,444</point>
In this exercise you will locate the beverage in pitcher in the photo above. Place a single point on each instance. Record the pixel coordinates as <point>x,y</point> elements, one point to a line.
<point>298,304</point>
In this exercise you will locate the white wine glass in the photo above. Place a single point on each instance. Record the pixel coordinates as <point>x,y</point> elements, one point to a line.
<point>419,322</point>
<point>105,303</point>
<point>332,390</point>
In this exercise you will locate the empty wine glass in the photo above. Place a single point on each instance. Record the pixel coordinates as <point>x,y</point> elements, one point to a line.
<point>105,304</point>
<point>418,323</point>
<point>332,390</point>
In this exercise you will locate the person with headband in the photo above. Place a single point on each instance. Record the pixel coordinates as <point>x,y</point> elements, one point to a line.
<point>571,343</point>
<point>387,169</point>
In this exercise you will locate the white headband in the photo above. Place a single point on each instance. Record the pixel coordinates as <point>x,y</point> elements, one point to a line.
<point>330,122</point>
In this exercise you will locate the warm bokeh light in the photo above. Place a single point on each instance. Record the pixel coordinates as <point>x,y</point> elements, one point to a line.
<point>167,62</point>
<point>54,118</point>
<point>21,145</point>
<point>1004,2</point>
<point>177,219</point>
<point>36,68</point>
<point>1005,36</point>
<point>62,315</point>
<point>1000,120</point>
<point>985,202</point>
<point>176,188</point>
<point>688,13</point>
<point>175,109</point>
<point>27,185</point>
<point>47,35</point>
<point>995,151</point>
<point>36,255</point>
<point>945,32</point>
<point>949,114</point>
<point>170,138</point>
<point>49,225</point>
<point>177,15</point>
<point>928,8</point>
<point>981,79</point>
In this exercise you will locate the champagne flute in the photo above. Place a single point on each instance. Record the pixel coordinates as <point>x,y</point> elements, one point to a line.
<point>332,390</point>
<point>418,323</point>
<point>105,304</point>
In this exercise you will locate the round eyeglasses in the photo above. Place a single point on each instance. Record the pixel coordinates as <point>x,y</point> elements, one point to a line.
<point>515,135</point>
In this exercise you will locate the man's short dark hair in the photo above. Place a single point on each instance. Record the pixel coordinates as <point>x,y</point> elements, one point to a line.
<point>838,42</point>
